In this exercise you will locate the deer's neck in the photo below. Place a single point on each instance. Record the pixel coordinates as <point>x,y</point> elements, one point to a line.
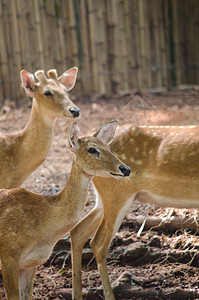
<point>74,195</point>
<point>31,145</point>
<point>39,126</point>
<point>37,135</point>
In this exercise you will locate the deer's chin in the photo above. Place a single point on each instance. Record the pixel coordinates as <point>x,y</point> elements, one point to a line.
<point>116,176</point>
<point>69,116</point>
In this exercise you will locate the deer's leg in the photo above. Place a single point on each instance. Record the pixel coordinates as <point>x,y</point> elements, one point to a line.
<point>26,277</point>
<point>79,235</point>
<point>10,274</point>
<point>112,218</point>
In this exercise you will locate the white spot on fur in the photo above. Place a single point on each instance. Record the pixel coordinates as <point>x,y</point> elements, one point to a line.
<point>138,162</point>
<point>123,156</point>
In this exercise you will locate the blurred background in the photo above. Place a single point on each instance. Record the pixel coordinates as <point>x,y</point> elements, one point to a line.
<point>118,45</point>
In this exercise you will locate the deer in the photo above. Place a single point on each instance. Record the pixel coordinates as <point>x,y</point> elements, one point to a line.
<point>31,223</point>
<point>24,151</point>
<point>166,160</point>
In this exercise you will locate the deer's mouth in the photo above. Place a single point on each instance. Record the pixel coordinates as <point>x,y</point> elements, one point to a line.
<point>116,175</point>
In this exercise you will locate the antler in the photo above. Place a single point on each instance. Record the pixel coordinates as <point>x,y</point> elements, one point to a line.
<point>53,74</point>
<point>40,75</point>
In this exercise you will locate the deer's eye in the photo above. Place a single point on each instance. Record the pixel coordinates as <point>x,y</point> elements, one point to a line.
<point>93,151</point>
<point>48,94</point>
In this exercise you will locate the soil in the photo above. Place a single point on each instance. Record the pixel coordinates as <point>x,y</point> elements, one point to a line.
<point>158,262</point>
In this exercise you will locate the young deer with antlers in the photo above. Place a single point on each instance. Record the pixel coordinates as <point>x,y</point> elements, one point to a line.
<point>31,224</point>
<point>22,152</point>
<point>166,159</point>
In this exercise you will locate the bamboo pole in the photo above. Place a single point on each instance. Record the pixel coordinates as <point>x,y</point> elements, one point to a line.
<point>24,43</point>
<point>53,55</point>
<point>85,66</point>
<point>68,35</point>
<point>149,68</point>
<point>56,51</point>
<point>181,51</point>
<point>15,35</point>
<point>73,30</point>
<point>101,48</point>
<point>192,39</point>
<point>183,37</point>
<point>60,30</point>
<point>49,26</point>
<point>40,48</point>
<point>166,8</point>
<point>114,50</point>
<point>65,35</point>
<point>142,45</point>
<point>93,31</point>
<point>122,46</point>
<point>176,41</point>
<point>23,35</point>
<point>46,36</point>
<point>105,49</point>
<point>154,54</point>
<point>163,44</point>
<point>2,53</point>
<point>5,75</point>
<point>135,52</point>
<point>32,36</point>
<point>196,29</point>
<point>128,14</point>
<point>189,37</point>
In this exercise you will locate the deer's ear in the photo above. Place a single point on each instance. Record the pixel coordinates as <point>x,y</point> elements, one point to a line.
<point>28,82</point>
<point>73,136</point>
<point>68,78</point>
<point>107,132</point>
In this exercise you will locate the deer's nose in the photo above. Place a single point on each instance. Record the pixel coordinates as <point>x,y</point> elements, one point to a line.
<point>125,170</point>
<point>75,111</point>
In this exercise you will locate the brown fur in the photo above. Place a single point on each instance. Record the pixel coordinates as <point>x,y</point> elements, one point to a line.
<point>22,152</point>
<point>166,159</point>
<point>31,223</point>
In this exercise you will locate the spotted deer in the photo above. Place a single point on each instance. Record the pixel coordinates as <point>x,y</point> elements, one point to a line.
<point>166,159</point>
<point>28,239</point>
<point>22,152</point>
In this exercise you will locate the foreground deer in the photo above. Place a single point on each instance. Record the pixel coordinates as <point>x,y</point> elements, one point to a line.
<point>31,224</point>
<point>22,152</point>
<point>167,160</point>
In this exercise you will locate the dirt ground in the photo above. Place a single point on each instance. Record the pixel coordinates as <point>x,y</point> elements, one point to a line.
<point>159,262</point>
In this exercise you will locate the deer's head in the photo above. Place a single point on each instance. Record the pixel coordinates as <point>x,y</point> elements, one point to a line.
<point>93,153</point>
<point>51,93</point>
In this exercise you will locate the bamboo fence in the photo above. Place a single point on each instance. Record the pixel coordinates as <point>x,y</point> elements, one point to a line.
<point>117,45</point>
